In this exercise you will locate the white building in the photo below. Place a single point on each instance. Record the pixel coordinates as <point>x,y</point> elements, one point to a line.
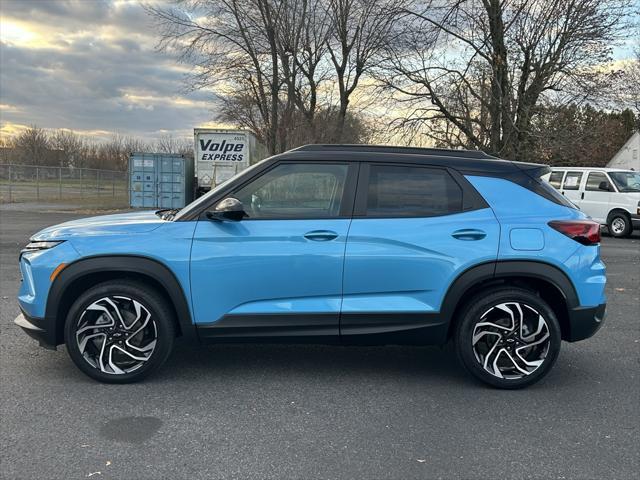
<point>628,157</point>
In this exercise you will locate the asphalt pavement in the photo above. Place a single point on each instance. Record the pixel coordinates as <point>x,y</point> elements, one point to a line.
<point>263,411</point>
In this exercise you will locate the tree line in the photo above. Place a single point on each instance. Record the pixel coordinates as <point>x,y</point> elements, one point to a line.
<point>478,74</point>
<point>579,135</point>
<point>66,148</point>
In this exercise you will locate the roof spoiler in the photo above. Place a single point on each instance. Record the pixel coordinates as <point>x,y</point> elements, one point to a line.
<point>534,170</point>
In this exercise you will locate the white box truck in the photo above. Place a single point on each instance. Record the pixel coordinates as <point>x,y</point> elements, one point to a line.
<point>220,154</point>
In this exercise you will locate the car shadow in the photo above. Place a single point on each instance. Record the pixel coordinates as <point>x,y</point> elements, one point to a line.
<point>318,361</point>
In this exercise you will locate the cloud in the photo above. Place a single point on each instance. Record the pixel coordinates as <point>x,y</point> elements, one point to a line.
<point>91,66</point>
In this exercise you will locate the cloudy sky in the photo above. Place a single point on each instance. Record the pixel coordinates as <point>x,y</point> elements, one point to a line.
<point>91,66</point>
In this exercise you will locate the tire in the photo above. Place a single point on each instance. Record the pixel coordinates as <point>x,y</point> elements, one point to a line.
<point>136,323</point>
<point>619,225</point>
<point>498,356</point>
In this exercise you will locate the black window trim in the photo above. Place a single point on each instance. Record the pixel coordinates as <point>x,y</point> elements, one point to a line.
<point>471,199</point>
<point>346,205</point>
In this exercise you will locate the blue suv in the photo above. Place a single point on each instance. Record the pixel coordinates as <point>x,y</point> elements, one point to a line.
<point>345,244</point>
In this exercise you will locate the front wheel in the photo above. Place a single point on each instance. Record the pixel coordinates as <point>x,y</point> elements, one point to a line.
<point>619,225</point>
<point>119,331</point>
<point>508,337</point>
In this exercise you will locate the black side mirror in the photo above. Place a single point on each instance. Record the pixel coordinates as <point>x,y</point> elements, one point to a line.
<point>604,186</point>
<point>228,209</point>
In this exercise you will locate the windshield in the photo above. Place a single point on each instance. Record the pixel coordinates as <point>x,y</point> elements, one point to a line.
<point>626,181</point>
<point>203,199</point>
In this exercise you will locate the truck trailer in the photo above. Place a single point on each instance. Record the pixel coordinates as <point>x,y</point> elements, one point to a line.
<point>222,153</point>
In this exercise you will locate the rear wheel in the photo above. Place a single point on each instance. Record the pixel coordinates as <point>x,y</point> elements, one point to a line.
<point>619,225</point>
<point>508,337</point>
<point>119,331</point>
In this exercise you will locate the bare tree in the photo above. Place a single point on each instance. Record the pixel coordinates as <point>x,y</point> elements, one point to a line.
<point>233,46</point>
<point>114,153</point>
<point>32,145</point>
<point>482,66</point>
<point>360,30</point>
<point>70,144</point>
<point>302,47</point>
<point>628,78</point>
<point>273,63</point>
<point>170,144</point>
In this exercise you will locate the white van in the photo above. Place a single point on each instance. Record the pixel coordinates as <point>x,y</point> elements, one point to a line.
<point>610,196</point>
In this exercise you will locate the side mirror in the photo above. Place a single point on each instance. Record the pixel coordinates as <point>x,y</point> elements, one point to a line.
<point>228,209</point>
<point>604,186</point>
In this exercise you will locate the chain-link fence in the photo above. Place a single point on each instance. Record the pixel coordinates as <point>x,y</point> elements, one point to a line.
<point>31,183</point>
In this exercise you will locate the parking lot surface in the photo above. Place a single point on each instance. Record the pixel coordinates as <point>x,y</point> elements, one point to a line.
<point>262,411</point>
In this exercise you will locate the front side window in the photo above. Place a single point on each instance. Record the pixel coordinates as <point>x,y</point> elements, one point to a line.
<point>404,191</point>
<point>555,179</point>
<point>594,180</point>
<point>295,191</point>
<point>572,180</point>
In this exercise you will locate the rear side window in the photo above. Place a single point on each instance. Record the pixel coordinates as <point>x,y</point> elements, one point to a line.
<point>555,179</point>
<point>594,180</point>
<point>406,191</point>
<point>572,180</point>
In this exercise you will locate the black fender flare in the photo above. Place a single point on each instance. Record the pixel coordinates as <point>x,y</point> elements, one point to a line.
<point>122,263</point>
<point>502,269</point>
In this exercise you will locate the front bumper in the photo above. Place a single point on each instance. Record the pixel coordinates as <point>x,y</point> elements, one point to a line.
<point>584,322</point>
<point>37,328</point>
<point>635,221</point>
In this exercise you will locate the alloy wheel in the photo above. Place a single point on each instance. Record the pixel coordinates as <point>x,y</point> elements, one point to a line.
<point>511,340</point>
<point>116,335</point>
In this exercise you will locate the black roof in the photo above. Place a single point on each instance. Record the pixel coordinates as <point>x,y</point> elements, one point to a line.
<point>465,161</point>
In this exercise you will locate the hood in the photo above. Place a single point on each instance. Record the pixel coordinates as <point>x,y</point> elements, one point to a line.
<point>121,223</point>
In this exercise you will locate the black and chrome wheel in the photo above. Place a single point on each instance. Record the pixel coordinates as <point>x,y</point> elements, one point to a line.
<point>508,338</point>
<point>119,332</point>
<point>619,225</point>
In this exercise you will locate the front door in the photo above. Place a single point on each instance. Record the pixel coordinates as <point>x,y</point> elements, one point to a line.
<point>410,237</point>
<point>596,200</point>
<point>278,272</point>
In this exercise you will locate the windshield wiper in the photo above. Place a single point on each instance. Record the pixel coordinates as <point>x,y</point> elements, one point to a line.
<point>167,213</point>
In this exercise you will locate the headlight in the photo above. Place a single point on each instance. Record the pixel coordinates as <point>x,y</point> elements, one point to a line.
<point>35,246</point>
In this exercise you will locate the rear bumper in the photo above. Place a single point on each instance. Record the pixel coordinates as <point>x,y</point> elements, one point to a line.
<point>39,329</point>
<point>585,322</point>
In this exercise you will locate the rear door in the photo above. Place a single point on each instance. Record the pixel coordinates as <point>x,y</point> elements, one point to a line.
<point>414,230</point>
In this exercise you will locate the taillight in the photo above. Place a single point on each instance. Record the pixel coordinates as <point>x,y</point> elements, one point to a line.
<point>585,232</point>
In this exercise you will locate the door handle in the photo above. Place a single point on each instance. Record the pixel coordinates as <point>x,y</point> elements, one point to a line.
<point>469,234</point>
<point>321,235</point>
<point>582,196</point>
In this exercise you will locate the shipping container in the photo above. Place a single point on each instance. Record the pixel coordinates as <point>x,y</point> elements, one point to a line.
<point>221,153</point>
<point>159,180</point>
